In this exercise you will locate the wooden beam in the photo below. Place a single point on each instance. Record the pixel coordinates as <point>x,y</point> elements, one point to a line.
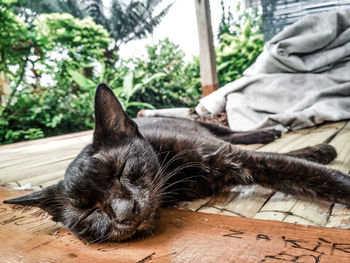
<point>206,48</point>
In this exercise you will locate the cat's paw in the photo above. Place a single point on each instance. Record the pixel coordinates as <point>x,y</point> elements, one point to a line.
<point>324,153</point>
<point>277,133</point>
<point>320,153</point>
<point>268,135</point>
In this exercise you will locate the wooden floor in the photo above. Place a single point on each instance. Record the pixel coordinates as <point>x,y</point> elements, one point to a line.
<point>40,163</point>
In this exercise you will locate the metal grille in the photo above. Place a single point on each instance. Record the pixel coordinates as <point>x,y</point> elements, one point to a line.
<point>279,13</point>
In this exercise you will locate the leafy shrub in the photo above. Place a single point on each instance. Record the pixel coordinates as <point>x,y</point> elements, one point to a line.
<point>60,62</point>
<point>241,41</point>
<point>46,49</point>
<point>161,79</point>
<point>178,83</point>
<point>50,67</point>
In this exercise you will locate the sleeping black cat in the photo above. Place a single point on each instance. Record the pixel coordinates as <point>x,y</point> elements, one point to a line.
<point>117,185</point>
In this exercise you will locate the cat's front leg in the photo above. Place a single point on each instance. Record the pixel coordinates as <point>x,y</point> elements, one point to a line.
<point>297,177</point>
<point>231,165</point>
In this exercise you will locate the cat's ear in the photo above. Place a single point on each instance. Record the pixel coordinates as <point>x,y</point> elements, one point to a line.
<point>110,118</point>
<point>49,199</point>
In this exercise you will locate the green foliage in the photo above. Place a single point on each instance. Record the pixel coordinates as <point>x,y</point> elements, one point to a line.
<point>162,79</point>
<point>166,79</point>
<point>15,40</point>
<point>46,50</point>
<point>32,8</point>
<point>84,40</point>
<point>129,20</point>
<point>51,64</point>
<point>53,75</point>
<point>231,23</point>
<point>125,20</point>
<point>227,22</point>
<point>241,41</point>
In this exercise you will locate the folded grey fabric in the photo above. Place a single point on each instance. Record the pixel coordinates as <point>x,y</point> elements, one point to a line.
<point>302,78</point>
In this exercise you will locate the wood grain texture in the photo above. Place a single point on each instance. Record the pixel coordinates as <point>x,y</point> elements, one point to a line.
<point>245,201</point>
<point>40,161</point>
<point>182,236</point>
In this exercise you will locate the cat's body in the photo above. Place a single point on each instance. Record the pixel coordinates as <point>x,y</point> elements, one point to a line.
<point>116,186</point>
<point>206,162</point>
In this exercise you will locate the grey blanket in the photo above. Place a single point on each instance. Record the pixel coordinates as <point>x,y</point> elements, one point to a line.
<point>302,78</point>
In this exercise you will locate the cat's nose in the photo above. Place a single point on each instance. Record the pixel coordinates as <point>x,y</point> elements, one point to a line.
<point>125,210</point>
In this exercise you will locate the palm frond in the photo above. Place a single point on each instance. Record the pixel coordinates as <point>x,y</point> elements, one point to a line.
<point>126,20</point>
<point>50,6</point>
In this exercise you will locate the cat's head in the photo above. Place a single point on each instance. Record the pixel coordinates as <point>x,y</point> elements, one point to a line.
<point>111,190</point>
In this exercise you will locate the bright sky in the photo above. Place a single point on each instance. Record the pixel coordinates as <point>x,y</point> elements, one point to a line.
<point>180,26</point>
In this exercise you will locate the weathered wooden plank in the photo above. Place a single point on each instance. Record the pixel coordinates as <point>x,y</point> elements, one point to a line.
<point>314,212</point>
<point>32,164</point>
<point>21,174</point>
<point>300,220</point>
<point>217,211</point>
<point>271,215</point>
<point>181,236</point>
<point>192,205</point>
<point>42,178</point>
<point>242,201</point>
<point>339,221</point>
<point>37,156</point>
<point>19,145</point>
<point>49,147</point>
<point>48,183</point>
<point>274,203</point>
<point>248,201</point>
<point>340,217</point>
<point>276,208</point>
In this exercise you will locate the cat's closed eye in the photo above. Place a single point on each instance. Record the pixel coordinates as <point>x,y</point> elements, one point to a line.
<point>133,177</point>
<point>85,203</point>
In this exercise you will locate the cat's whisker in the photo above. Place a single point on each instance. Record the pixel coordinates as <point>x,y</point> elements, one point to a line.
<point>99,240</point>
<point>188,179</point>
<point>83,217</point>
<point>171,161</point>
<point>177,182</point>
<point>176,192</point>
<point>174,172</point>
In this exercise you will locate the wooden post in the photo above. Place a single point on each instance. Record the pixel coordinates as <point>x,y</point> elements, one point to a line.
<point>206,48</point>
